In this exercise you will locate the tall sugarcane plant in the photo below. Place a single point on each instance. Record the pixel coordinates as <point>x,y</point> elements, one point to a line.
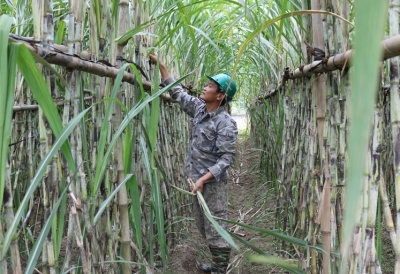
<point>86,209</point>
<point>327,161</point>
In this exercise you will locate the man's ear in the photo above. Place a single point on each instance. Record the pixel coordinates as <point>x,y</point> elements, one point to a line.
<point>221,96</point>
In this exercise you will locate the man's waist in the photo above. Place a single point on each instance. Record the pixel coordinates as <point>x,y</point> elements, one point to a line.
<point>197,175</point>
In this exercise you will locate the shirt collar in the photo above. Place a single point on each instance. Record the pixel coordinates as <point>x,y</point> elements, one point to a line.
<point>216,112</point>
<point>213,113</point>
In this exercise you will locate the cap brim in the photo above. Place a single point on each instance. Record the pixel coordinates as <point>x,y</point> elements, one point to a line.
<point>210,78</point>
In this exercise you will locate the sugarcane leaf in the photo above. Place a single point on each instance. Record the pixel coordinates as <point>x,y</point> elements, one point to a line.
<point>7,87</point>
<point>364,80</point>
<point>159,211</point>
<point>248,244</point>
<point>145,155</point>
<point>276,261</point>
<point>154,117</point>
<point>146,136</point>
<point>272,21</point>
<point>127,150</point>
<point>139,80</point>
<point>156,202</point>
<point>34,78</point>
<point>132,113</point>
<point>105,203</point>
<point>128,35</point>
<point>221,231</point>
<point>283,237</point>
<point>208,38</point>
<point>135,211</point>
<point>59,230</point>
<point>104,127</point>
<point>115,15</point>
<point>60,32</point>
<point>183,191</point>
<point>64,134</point>
<point>97,12</point>
<point>50,67</point>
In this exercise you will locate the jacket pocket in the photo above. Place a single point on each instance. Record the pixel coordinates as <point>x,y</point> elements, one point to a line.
<point>206,140</point>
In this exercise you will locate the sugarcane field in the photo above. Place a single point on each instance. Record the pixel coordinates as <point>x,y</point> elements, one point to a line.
<point>199,136</point>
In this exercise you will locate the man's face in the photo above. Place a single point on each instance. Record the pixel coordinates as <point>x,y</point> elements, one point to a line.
<point>210,93</point>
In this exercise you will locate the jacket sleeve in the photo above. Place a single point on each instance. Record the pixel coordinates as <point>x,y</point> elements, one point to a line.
<point>187,102</point>
<point>225,144</point>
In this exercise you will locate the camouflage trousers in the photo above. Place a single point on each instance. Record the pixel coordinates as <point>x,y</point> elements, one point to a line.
<point>216,197</point>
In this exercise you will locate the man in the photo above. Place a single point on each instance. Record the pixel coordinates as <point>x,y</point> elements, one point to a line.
<point>212,150</point>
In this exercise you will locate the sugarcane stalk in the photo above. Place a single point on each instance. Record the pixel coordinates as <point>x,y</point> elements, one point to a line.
<point>341,28</point>
<point>365,209</point>
<point>122,194</point>
<point>82,184</point>
<point>48,37</point>
<point>356,248</point>
<point>78,232</point>
<point>30,159</point>
<point>319,88</point>
<point>51,179</point>
<point>332,121</point>
<point>374,258</point>
<point>342,60</point>
<point>387,212</point>
<point>344,89</point>
<point>9,217</point>
<point>111,236</point>
<point>332,156</point>
<point>78,10</point>
<point>38,9</point>
<point>96,121</point>
<point>76,63</point>
<point>394,8</point>
<point>8,206</point>
<point>366,257</point>
<point>378,269</point>
<point>93,31</point>
<point>3,261</point>
<point>43,152</point>
<point>313,184</point>
<point>376,175</point>
<point>70,93</point>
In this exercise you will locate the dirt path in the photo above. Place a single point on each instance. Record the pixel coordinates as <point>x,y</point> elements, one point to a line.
<point>250,201</point>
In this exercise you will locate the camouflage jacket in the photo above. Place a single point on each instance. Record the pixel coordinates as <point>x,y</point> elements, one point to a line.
<point>212,137</point>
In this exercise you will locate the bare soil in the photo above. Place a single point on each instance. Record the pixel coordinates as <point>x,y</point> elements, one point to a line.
<point>251,201</point>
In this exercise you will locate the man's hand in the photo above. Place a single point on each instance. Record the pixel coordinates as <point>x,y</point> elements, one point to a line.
<point>198,186</point>
<point>153,57</point>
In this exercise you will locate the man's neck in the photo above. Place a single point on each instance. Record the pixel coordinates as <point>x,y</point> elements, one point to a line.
<point>210,107</point>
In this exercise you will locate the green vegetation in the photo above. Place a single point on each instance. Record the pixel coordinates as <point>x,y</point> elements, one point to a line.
<point>91,167</point>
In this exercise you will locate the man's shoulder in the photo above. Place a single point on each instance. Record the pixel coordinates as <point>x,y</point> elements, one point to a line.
<point>225,116</point>
<point>224,122</point>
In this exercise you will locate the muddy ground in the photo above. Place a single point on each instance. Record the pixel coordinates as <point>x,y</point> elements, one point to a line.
<point>251,200</point>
